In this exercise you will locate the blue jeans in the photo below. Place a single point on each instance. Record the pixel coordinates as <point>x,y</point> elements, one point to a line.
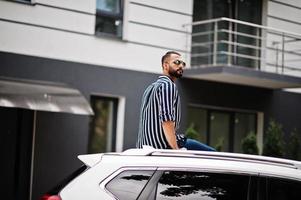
<point>192,144</point>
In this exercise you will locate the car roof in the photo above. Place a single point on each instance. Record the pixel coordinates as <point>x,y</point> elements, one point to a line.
<point>92,159</point>
<point>214,155</point>
<point>223,162</point>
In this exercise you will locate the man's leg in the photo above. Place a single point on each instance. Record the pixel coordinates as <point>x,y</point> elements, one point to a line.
<point>196,145</point>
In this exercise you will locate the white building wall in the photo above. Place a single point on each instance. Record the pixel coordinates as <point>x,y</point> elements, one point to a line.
<point>284,15</point>
<point>64,30</point>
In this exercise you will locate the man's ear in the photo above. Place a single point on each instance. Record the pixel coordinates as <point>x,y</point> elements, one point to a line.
<point>164,66</point>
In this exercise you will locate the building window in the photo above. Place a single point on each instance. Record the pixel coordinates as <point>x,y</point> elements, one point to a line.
<point>242,39</point>
<point>223,130</point>
<point>109,17</point>
<point>103,124</point>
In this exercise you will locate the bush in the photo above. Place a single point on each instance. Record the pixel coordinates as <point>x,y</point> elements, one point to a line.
<point>293,149</point>
<point>192,133</point>
<point>249,144</point>
<point>273,140</point>
<point>219,145</point>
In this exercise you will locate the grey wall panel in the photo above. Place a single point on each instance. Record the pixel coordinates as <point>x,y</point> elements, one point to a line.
<point>225,95</point>
<point>61,137</point>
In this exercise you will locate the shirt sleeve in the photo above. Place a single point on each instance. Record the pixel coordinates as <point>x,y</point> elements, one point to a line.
<point>167,99</point>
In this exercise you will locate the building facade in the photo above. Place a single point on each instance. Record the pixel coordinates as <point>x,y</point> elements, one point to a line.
<point>243,59</point>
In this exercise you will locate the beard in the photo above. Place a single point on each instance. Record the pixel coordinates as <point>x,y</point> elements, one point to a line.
<point>175,73</point>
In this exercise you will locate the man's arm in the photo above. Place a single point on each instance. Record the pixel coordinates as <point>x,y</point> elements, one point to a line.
<point>170,134</point>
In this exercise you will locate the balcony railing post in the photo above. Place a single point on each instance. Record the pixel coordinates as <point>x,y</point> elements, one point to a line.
<point>282,65</point>
<point>230,43</point>
<point>215,38</point>
<point>277,53</point>
<point>257,50</point>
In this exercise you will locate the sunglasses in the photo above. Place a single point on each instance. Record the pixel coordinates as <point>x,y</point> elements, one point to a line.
<point>179,62</point>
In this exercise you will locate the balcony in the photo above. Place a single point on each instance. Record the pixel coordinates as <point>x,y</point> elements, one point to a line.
<point>238,52</point>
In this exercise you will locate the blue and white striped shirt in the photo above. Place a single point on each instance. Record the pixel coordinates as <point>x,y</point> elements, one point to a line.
<point>160,102</point>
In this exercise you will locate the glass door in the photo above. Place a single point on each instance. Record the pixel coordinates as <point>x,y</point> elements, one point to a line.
<point>219,130</point>
<point>244,124</point>
<point>223,130</point>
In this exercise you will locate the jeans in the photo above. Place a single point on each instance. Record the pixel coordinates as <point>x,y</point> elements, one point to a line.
<point>192,144</point>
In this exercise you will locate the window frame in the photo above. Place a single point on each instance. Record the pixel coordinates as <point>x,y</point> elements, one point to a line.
<point>103,184</point>
<point>117,194</point>
<point>119,16</point>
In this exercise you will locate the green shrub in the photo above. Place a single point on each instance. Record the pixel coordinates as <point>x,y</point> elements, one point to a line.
<point>219,145</point>
<point>249,144</point>
<point>293,148</point>
<point>273,140</point>
<point>191,132</point>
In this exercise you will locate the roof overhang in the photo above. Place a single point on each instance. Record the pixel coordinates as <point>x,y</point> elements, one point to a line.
<point>244,76</point>
<point>42,96</point>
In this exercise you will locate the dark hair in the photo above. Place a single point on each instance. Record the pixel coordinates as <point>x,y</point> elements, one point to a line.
<point>167,56</point>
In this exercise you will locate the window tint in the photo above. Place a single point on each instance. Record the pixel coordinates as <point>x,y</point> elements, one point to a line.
<point>282,189</point>
<point>129,184</point>
<point>202,186</point>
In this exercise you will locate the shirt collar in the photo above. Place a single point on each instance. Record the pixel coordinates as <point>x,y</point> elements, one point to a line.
<point>165,77</point>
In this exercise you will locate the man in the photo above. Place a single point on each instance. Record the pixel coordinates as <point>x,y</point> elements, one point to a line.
<point>160,110</point>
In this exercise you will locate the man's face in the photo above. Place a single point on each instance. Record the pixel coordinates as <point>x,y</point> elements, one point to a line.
<point>175,66</point>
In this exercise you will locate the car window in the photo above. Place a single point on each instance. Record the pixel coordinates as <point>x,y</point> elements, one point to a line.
<point>283,189</point>
<point>129,184</point>
<point>202,186</point>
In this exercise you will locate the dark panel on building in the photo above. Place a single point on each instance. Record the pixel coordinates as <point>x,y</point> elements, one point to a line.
<point>15,148</point>
<point>286,109</point>
<point>227,96</point>
<point>60,138</point>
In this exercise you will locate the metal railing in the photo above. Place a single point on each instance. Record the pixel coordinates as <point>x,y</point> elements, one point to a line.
<point>224,41</point>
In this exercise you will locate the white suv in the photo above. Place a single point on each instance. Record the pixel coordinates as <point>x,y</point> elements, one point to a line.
<point>154,174</point>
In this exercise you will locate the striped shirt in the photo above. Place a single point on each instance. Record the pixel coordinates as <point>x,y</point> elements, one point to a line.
<point>160,102</point>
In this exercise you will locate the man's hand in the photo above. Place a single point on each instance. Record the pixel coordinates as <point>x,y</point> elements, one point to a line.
<point>170,134</point>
